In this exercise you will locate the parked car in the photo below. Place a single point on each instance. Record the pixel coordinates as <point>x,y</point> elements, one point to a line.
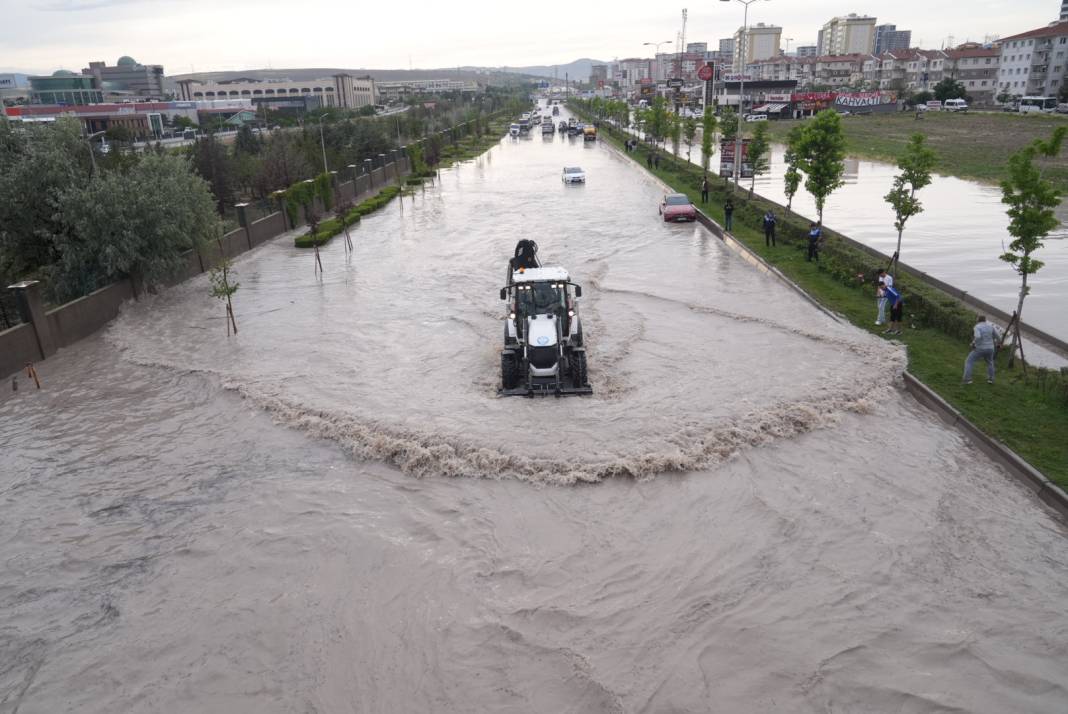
<point>922,108</point>
<point>573,174</point>
<point>1061,109</point>
<point>677,207</point>
<point>755,117</point>
<point>955,105</point>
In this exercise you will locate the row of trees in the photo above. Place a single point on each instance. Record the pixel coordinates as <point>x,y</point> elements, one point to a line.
<point>256,166</point>
<point>78,229</point>
<point>816,153</point>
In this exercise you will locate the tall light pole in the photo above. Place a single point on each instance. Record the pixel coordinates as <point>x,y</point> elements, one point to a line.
<point>741,89</point>
<point>656,52</point>
<point>92,155</point>
<point>323,144</point>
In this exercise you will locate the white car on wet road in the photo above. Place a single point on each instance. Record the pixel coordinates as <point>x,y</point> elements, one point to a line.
<point>573,174</point>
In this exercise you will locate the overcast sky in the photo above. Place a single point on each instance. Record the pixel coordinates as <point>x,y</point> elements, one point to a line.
<point>204,35</point>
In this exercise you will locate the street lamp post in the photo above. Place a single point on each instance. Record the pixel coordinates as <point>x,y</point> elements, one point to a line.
<point>92,156</point>
<point>741,89</point>
<point>656,52</point>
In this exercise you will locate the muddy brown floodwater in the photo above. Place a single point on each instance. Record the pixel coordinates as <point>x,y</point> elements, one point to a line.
<point>333,512</point>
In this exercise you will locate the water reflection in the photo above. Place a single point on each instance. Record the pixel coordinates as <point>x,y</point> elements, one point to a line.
<point>957,238</point>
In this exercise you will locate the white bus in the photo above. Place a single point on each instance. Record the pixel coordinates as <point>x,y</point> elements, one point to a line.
<point>1046,105</point>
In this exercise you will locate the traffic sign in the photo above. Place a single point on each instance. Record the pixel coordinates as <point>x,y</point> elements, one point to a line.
<point>675,83</point>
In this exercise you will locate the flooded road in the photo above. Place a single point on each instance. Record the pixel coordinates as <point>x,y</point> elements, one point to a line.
<point>333,512</point>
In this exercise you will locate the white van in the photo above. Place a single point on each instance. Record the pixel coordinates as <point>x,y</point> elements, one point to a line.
<point>955,105</point>
<point>756,117</point>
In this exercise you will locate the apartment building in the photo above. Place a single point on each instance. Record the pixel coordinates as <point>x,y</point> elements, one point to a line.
<point>839,70</point>
<point>889,38</point>
<point>807,51</point>
<point>887,71</point>
<point>757,42</point>
<point>975,67</point>
<point>849,34</point>
<point>631,71</point>
<point>1034,63</point>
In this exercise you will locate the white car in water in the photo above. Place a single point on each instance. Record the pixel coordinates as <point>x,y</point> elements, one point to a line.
<point>573,174</point>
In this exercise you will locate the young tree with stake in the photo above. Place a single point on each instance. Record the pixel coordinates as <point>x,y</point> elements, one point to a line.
<point>708,136</point>
<point>759,149</point>
<point>689,131</point>
<point>821,154</point>
<point>792,177</point>
<point>1031,200</point>
<point>223,289</point>
<point>916,164</point>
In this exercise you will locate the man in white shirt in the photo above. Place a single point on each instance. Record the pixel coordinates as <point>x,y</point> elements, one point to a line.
<point>985,337</point>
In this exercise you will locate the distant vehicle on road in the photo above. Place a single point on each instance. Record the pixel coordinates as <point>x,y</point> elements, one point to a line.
<point>1061,109</point>
<point>562,127</point>
<point>677,207</point>
<point>955,105</point>
<point>548,129</point>
<point>1043,105</point>
<point>556,109</point>
<point>573,174</point>
<point>756,117</point>
<point>189,134</point>
<point>514,130</point>
<point>589,133</point>
<point>934,105</point>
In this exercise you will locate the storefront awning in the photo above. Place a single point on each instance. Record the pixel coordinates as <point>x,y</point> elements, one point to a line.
<point>761,109</point>
<point>775,108</point>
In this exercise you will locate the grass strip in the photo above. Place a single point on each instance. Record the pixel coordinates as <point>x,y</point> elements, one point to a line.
<point>970,145</point>
<point>1028,414</point>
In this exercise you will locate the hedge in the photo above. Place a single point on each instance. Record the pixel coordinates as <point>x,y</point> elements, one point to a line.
<point>330,228</point>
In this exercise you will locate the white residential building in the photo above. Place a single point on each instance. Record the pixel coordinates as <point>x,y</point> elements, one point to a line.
<point>849,34</point>
<point>757,42</point>
<point>1036,62</point>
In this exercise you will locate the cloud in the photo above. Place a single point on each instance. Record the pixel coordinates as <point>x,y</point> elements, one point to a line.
<point>79,5</point>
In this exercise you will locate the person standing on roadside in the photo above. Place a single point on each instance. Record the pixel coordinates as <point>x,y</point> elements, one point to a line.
<point>880,297</point>
<point>656,160</point>
<point>704,189</point>
<point>897,309</point>
<point>985,336</point>
<point>769,229</point>
<point>649,160</point>
<point>814,235</point>
<point>728,215</point>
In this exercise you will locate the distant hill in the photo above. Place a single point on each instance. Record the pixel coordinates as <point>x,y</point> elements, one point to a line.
<point>577,70</point>
<point>468,74</point>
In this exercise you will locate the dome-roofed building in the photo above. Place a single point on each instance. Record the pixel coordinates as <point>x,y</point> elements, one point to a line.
<point>63,73</point>
<point>128,79</point>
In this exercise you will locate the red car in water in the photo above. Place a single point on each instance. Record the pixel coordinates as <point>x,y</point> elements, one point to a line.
<point>677,207</point>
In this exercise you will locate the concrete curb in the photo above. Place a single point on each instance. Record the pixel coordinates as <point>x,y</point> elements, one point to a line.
<point>1024,472</point>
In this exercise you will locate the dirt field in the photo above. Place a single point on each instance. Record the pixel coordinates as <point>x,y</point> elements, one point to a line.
<point>975,145</point>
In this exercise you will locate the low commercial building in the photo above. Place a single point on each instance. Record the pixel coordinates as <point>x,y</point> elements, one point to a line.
<point>65,87</point>
<point>14,88</point>
<point>341,90</point>
<point>395,90</point>
<point>144,120</point>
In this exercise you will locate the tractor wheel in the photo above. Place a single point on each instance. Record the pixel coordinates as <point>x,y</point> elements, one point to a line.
<point>509,370</point>
<point>578,368</point>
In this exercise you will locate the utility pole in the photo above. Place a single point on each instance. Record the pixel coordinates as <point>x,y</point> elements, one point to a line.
<point>741,90</point>
<point>322,143</point>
